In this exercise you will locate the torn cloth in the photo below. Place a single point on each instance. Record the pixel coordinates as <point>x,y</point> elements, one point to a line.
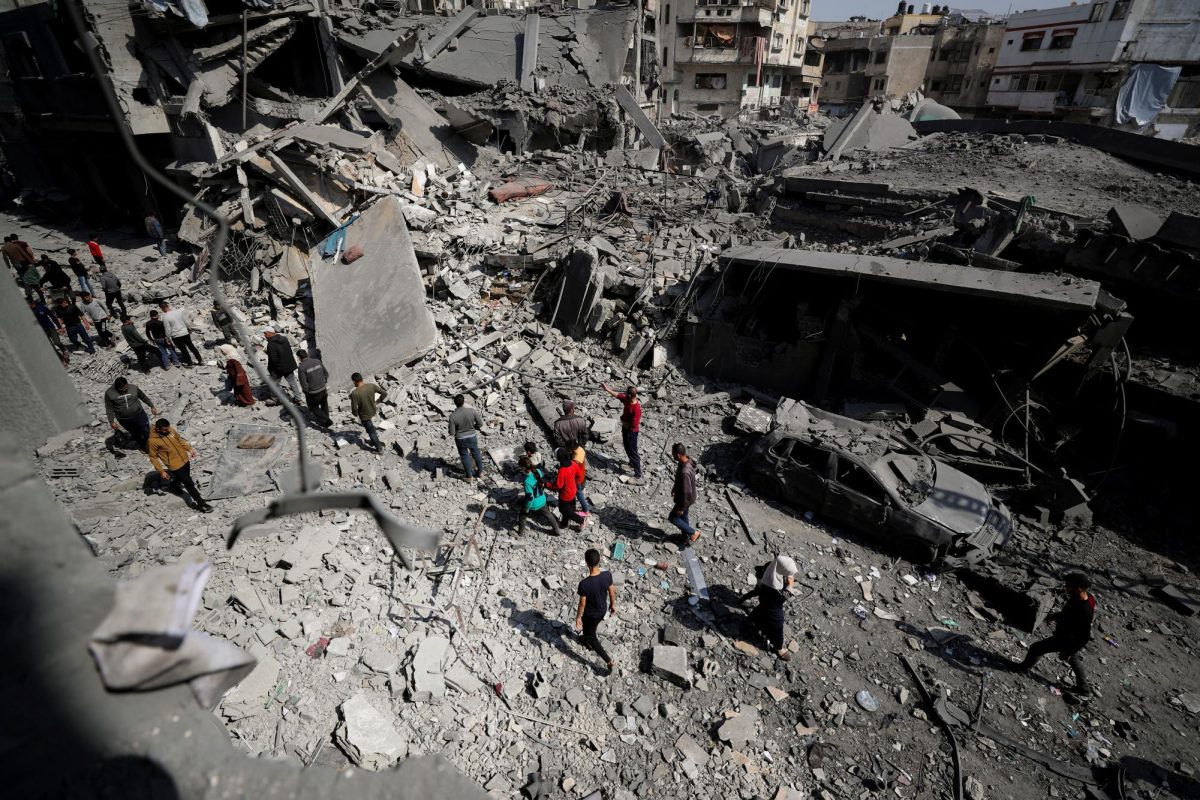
<point>147,642</point>
<point>1144,93</point>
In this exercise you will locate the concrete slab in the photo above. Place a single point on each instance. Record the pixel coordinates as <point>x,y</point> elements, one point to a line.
<point>372,315</point>
<point>1045,291</point>
<point>1134,221</point>
<point>240,472</point>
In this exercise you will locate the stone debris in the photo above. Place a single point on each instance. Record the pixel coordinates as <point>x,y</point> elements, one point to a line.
<point>367,735</point>
<point>671,663</point>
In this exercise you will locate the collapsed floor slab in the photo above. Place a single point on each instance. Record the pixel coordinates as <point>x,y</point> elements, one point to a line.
<point>379,298</point>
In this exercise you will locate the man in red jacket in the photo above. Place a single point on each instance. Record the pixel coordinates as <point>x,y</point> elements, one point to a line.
<point>631,425</point>
<point>566,483</point>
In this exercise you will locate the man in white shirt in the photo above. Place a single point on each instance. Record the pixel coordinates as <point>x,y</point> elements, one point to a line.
<point>178,332</point>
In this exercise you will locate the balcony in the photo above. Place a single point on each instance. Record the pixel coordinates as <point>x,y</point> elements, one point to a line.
<point>1034,102</point>
<point>728,15</point>
<point>713,50</point>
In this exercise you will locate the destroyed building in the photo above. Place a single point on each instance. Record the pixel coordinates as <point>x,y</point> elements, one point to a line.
<point>989,320</point>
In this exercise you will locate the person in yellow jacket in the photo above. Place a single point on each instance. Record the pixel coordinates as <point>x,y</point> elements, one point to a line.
<point>171,455</point>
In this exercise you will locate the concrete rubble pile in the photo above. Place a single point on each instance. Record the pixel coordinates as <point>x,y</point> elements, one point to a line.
<point>533,234</point>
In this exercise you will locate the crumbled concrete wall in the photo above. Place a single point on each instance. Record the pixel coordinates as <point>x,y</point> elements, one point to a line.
<point>37,398</point>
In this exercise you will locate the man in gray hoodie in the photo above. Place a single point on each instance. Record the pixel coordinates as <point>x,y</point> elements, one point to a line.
<point>125,405</point>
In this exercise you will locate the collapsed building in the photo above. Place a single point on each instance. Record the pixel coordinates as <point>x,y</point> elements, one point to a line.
<point>480,203</point>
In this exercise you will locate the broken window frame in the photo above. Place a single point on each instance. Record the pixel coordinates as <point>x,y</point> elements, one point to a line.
<point>1097,14</point>
<point>1032,41</point>
<point>712,78</point>
<point>1120,10</point>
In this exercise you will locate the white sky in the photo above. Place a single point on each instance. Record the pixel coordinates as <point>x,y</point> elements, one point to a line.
<point>833,10</point>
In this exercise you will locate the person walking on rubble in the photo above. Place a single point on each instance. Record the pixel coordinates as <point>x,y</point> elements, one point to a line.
<point>224,322</point>
<point>778,576</point>
<point>566,483</point>
<point>631,425</point>
<point>80,270</point>
<point>597,598</point>
<point>464,425</point>
<point>281,362</point>
<point>154,229</point>
<point>110,284</point>
<point>1072,632</point>
<point>683,494</point>
<point>125,405</point>
<point>570,429</point>
<point>99,315</point>
<point>531,452</point>
<point>179,333</point>
<point>75,323</point>
<point>533,501</point>
<point>172,456</point>
<point>50,324</point>
<point>97,254</point>
<point>59,281</point>
<point>364,402</point>
<point>579,459</point>
<point>156,332</point>
<point>314,380</point>
<point>139,344</point>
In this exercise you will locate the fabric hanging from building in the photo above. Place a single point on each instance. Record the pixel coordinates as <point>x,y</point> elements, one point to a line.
<point>1145,92</point>
<point>723,33</point>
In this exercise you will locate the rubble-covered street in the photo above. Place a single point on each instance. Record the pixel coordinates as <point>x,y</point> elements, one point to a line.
<point>998,321</point>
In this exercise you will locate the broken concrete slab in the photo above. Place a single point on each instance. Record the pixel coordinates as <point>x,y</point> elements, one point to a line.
<point>379,299</point>
<point>671,662</point>
<point>241,471</point>
<point>629,105</point>
<point>752,419</point>
<point>249,697</point>
<point>426,679</point>
<point>304,555</point>
<point>367,736</point>
<point>1046,291</point>
<point>739,729</point>
<point>868,129</point>
<point>1134,221</point>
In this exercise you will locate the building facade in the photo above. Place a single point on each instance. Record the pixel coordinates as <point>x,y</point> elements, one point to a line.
<point>961,61</point>
<point>871,58</point>
<point>1069,63</point>
<point>722,56</point>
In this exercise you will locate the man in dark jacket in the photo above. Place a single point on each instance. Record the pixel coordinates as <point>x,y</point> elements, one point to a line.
<point>224,322</point>
<point>54,275</point>
<point>281,362</point>
<point>464,426</point>
<point>125,404</point>
<point>683,494</point>
<point>314,379</point>
<point>364,405</point>
<point>1072,632</point>
<point>75,323</point>
<point>139,344</point>
<point>570,429</point>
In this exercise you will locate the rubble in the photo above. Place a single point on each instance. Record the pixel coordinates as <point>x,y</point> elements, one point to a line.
<point>367,736</point>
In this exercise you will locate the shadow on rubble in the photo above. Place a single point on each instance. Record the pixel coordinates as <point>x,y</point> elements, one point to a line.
<point>1145,771</point>
<point>961,653</point>
<point>728,618</point>
<point>630,526</point>
<point>120,444</point>
<point>49,752</point>
<point>551,632</point>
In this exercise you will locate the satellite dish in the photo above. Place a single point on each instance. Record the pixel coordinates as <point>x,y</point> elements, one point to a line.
<point>816,42</point>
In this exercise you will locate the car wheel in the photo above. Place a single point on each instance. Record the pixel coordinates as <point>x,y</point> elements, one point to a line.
<point>918,551</point>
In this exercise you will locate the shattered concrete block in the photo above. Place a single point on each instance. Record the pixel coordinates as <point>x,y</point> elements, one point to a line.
<point>426,681</point>
<point>605,429</point>
<point>380,660</point>
<point>691,750</point>
<point>740,729</point>
<point>367,736</point>
<point>461,679</point>
<point>250,696</point>
<point>245,595</point>
<point>671,663</point>
<point>304,556</point>
<point>752,419</point>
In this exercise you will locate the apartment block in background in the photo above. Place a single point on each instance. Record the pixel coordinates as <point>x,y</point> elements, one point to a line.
<point>961,60</point>
<point>723,56</point>
<point>1070,63</point>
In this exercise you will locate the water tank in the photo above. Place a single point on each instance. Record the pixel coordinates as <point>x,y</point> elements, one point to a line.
<point>925,8</point>
<point>911,8</point>
<point>900,8</point>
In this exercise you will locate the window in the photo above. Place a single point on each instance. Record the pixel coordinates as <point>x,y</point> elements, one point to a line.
<point>782,447</point>
<point>1097,12</point>
<point>777,81</point>
<point>879,84</point>
<point>954,83</point>
<point>881,57</point>
<point>777,42</point>
<point>1033,41</point>
<point>935,86</point>
<point>667,16</point>
<point>1061,40</point>
<point>932,55</point>
<point>1010,41</point>
<point>664,61</point>
<point>808,456</point>
<point>995,81</point>
<point>708,107</point>
<point>1120,9</point>
<point>992,49</point>
<point>711,80</point>
<point>944,55</point>
<point>857,479</point>
<point>750,81</point>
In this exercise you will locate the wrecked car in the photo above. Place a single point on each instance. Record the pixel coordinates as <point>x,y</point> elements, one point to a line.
<point>860,476</point>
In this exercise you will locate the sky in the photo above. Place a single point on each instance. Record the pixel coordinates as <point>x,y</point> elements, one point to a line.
<point>830,10</point>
